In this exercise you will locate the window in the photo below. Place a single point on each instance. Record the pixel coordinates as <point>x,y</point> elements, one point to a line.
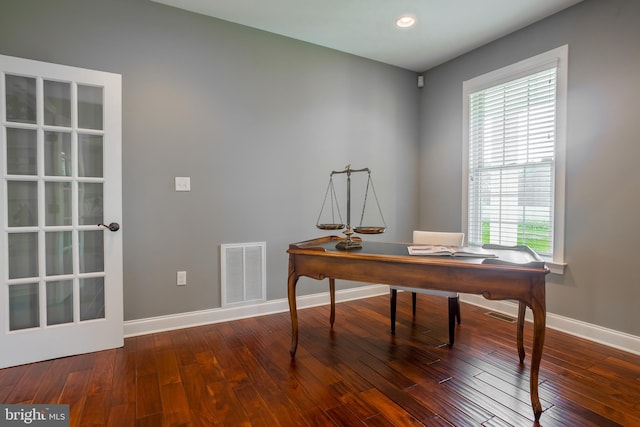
<point>514,126</point>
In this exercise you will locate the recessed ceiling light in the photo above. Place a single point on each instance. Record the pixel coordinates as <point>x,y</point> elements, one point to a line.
<point>405,21</point>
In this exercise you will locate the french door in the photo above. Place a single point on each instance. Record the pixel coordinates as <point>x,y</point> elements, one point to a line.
<point>60,159</point>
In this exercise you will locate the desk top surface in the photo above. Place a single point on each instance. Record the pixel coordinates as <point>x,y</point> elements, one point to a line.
<point>516,256</point>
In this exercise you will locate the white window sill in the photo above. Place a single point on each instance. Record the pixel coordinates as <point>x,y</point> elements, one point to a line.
<point>555,267</point>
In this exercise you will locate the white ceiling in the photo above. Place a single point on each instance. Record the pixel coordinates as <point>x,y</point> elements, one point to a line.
<point>444,29</point>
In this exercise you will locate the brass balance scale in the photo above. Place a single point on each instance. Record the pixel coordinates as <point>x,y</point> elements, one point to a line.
<point>349,243</point>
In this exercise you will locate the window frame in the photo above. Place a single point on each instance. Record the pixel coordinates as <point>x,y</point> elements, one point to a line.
<point>558,57</point>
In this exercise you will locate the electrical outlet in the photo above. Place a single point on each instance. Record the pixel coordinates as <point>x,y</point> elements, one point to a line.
<point>181,278</point>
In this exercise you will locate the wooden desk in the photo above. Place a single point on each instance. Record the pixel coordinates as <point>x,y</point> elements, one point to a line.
<point>390,263</point>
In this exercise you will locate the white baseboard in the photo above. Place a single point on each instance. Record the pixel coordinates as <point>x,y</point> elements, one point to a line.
<point>608,337</point>
<point>204,317</point>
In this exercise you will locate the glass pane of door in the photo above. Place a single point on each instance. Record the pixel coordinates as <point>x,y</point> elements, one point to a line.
<point>90,161</point>
<point>59,253</point>
<point>25,307</point>
<point>90,107</point>
<point>57,154</point>
<point>91,251</point>
<point>20,99</point>
<point>92,298</point>
<point>57,103</point>
<point>90,203</point>
<point>22,203</point>
<point>57,200</point>
<point>22,150</point>
<point>59,302</point>
<point>23,255</point>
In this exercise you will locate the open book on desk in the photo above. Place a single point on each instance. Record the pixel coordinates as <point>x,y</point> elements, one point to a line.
<point>454,251</point>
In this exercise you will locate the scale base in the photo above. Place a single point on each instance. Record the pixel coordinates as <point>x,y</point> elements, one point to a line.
<point>347,245</point>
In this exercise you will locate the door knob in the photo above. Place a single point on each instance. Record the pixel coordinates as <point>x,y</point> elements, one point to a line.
<point>114,226</point>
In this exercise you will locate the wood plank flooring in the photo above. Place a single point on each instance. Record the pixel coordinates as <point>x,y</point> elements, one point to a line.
<point>240,374</point>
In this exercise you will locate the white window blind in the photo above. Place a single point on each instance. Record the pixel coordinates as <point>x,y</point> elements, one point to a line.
<point>512,140</point>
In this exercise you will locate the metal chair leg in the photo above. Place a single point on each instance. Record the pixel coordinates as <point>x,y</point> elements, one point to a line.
<point>394,299</point>
<point>413,301</point>
<point>453,313</point>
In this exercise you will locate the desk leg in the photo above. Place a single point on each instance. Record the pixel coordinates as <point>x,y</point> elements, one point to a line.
<point>539,325</point>
<point>291,285</point>
<point>520,334</point>
<point>332,293</point>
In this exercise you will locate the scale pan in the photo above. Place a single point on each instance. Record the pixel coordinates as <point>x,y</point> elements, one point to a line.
<point>330,226</point>
<point>369,230</point>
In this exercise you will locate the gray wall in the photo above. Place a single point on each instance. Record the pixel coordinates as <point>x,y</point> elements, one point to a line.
<point>257,121</point>
<point>601,284</point>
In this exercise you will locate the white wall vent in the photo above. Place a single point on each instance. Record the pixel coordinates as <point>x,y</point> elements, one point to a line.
<point>243,270</point>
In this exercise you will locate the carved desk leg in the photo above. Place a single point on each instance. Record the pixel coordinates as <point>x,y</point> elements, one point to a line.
<point>291,290</point>
<point>520,335</point>
<point>539,325</point>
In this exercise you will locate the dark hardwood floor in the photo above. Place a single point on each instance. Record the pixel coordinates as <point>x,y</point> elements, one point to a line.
<point>240,374</point>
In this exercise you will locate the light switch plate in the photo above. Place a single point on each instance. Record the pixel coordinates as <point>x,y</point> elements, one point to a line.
<point>181,278</point>
<point>183,183</point>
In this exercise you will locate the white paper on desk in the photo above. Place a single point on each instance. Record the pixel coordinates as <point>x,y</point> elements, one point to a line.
<point>455,251</point>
